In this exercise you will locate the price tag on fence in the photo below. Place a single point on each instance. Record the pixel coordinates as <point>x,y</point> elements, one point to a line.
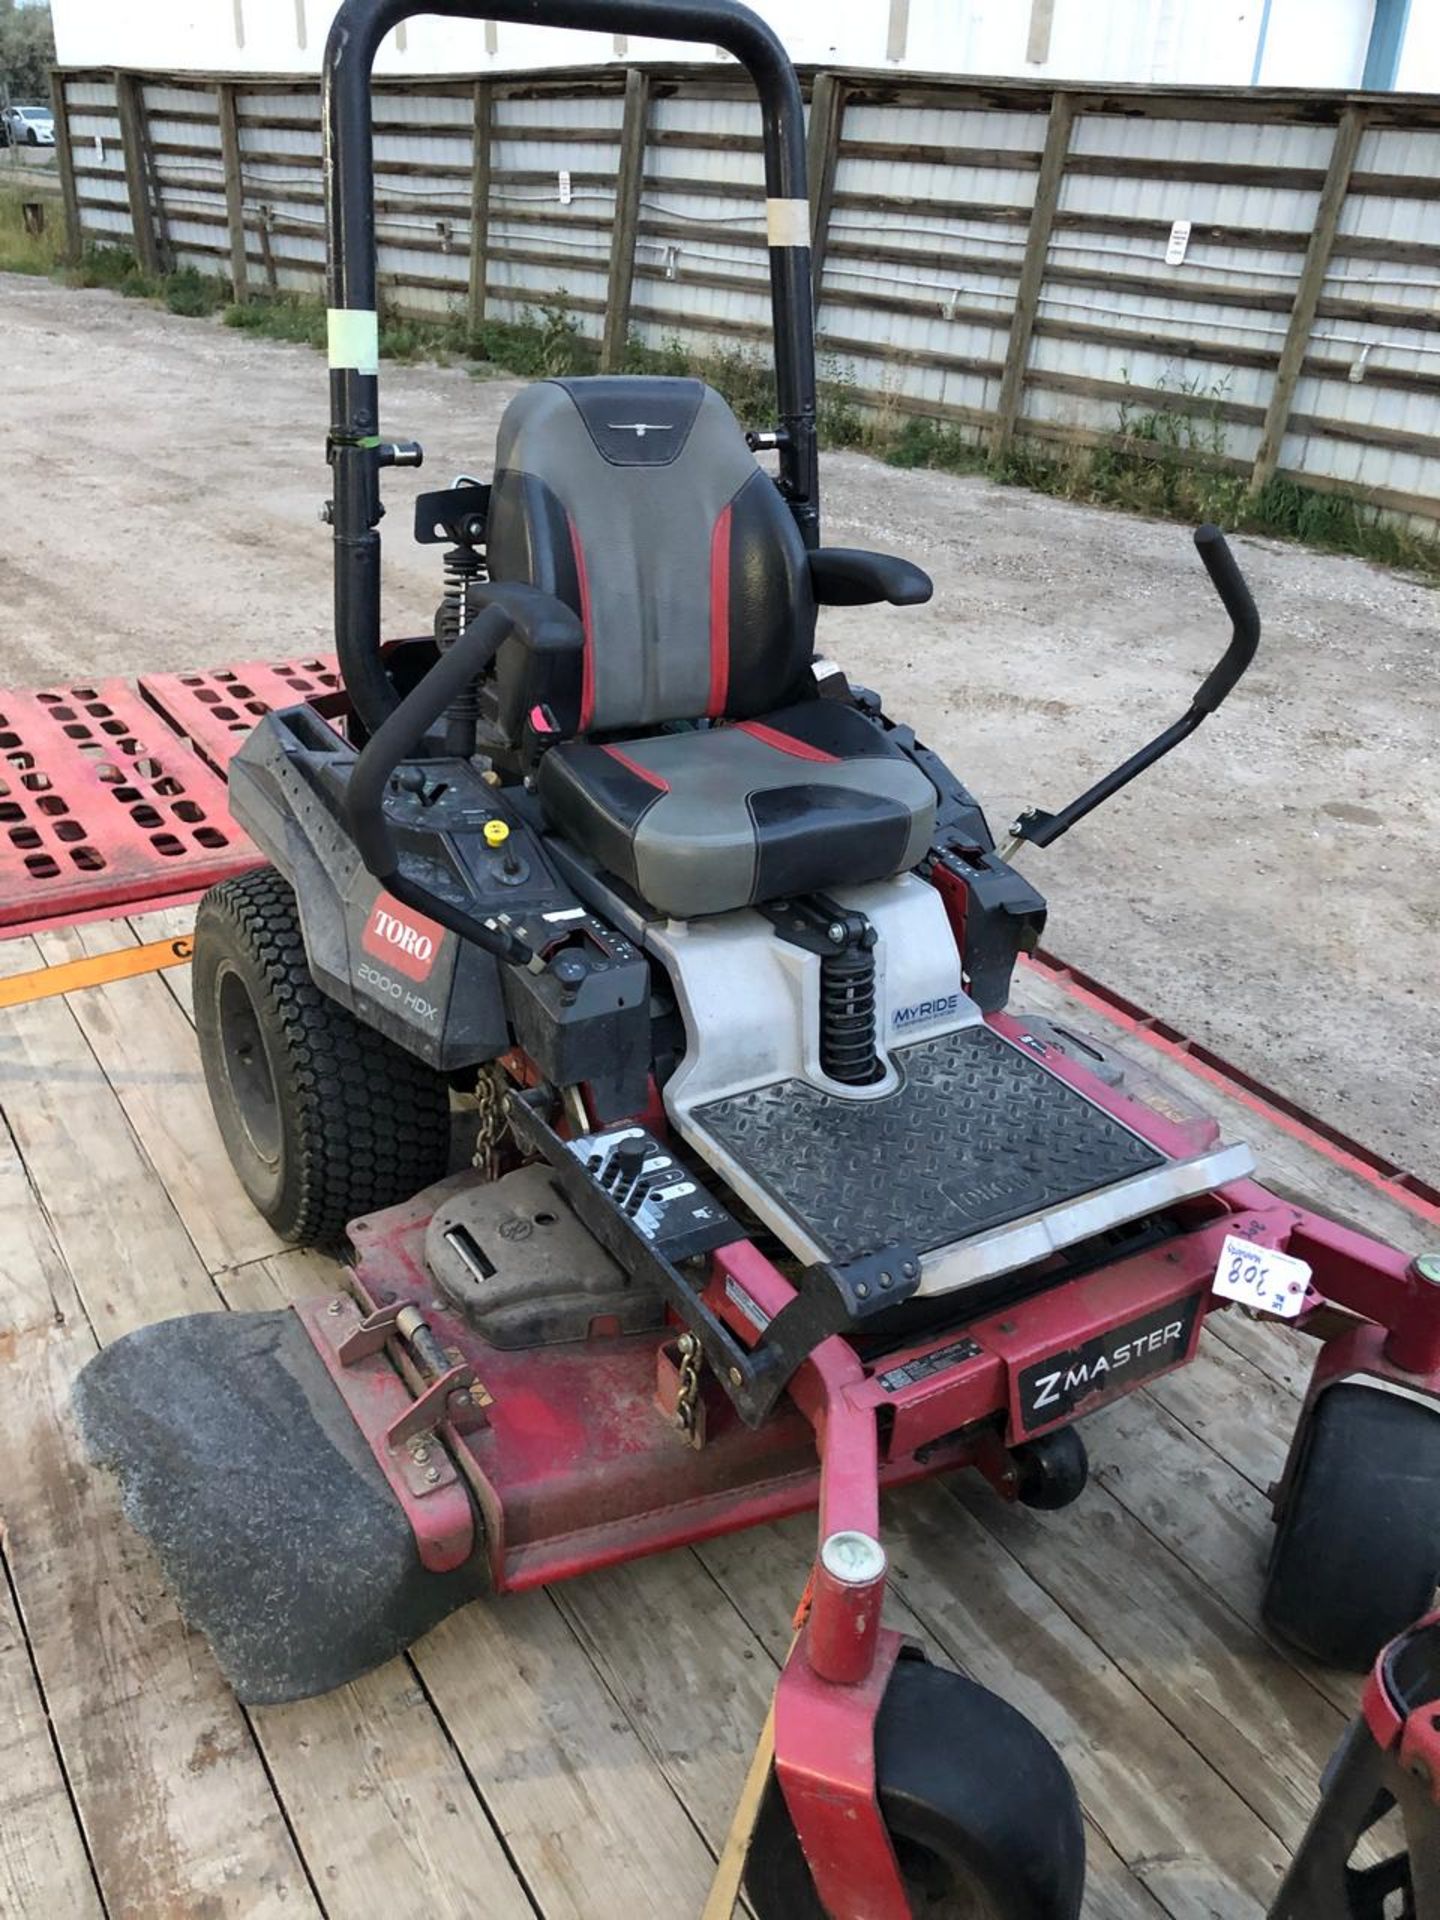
<point>1262,1279</point>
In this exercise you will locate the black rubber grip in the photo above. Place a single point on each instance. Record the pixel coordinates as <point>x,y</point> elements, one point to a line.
<point>1228,581</point>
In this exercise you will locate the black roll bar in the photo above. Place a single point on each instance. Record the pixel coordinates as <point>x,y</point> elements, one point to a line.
<point>356,454</point>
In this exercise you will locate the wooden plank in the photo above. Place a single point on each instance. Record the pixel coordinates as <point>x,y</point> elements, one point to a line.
<point>130,105</point>
<point>65,166</point>
<point>823,138</point>
<point>234,189</point>
<point>121,1237</point>
<point>177,1812</point>
<point>1257,1720</point>
<point>1213,1519</point>
<point>379,1801</point>
<point>1032,273</point>
<point>146,1049</point>
<point>631,172</point>
<point>43,1864</point>
<point>480,202</point>
<point>1308,295</point>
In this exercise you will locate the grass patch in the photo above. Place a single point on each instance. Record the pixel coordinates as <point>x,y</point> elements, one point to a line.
<point>22,252</point>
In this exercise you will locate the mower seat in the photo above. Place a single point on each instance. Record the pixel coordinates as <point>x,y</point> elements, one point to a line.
<point>705,773</point>
<point>703,822</point>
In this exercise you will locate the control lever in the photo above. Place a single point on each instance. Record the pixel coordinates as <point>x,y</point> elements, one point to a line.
<point>1037,828</point>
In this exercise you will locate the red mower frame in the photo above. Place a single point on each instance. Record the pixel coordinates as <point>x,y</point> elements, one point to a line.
<point>846,1430</point>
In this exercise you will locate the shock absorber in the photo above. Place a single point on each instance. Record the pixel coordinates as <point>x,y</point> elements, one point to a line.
<point>847,1005</point>
<point>463,567</point>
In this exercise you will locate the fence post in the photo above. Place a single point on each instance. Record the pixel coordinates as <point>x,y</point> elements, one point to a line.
<point>627,220</point>
<point>130,106</point>
<point>1307,295</point>
<point>1032,271</point>
<point>65,163</point>
<point>480,203</point>
<point>234,188</point>
<point>827,115</point>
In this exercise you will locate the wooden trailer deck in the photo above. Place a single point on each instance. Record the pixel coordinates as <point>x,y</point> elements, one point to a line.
<point>577,1753</point>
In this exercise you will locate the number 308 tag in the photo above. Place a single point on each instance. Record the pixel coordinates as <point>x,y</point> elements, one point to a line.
<point>1261,1278</point>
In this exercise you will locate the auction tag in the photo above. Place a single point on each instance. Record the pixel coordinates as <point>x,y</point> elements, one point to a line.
<point>1261,1278</point>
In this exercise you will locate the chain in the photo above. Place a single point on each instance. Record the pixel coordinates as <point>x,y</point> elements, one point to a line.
<point>687,1397</point>
<point>491,1119</point>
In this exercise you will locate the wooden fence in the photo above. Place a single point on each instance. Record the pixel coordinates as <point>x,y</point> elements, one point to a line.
<point>1259,269</point>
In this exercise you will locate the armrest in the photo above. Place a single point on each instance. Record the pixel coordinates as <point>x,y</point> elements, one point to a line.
<point>850,577</point>
<point>540,662</point>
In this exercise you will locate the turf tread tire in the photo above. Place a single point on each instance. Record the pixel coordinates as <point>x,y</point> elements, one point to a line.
<point>364,1125</point>
<point>1357,1547</point>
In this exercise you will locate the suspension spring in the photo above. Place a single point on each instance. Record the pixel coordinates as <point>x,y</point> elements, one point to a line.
<point>847,1013</point>
<point>463,568</point>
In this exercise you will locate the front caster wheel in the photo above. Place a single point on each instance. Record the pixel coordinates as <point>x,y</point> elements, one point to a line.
<point>1357,1547</point>
<point>982,1813</point>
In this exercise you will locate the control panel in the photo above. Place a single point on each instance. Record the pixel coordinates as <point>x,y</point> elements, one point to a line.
<point>661,1198</point>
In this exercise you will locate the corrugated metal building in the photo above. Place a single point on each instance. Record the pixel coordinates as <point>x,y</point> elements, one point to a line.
<point>1292,43</point>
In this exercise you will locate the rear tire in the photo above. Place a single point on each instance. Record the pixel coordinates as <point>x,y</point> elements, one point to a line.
<point>1357,1547</point>
<point>323,1118</point>
<point>983,1815</point>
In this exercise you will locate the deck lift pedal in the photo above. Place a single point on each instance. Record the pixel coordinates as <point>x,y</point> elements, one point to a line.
<point>771,1204</point>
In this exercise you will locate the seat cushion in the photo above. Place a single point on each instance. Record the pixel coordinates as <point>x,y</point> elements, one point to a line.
<point>707,820</point>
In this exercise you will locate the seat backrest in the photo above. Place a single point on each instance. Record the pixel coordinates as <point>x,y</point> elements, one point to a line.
<point>637,502</point>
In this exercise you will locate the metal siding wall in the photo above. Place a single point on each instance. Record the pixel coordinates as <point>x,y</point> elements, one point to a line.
<point>541,249</point>
<point>927,235</point>
<point>99,163</point>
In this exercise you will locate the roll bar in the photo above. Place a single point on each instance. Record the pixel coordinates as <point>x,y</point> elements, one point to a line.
<point>355,451</point>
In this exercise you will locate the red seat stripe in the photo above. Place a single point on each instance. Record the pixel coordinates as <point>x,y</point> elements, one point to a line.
<point>642,773</point>
<point>782,743</point>
<point>587,682</point>
<point>719,616</point>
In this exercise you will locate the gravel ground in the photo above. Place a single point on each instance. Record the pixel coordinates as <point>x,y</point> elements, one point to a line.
<point>1273,888</point>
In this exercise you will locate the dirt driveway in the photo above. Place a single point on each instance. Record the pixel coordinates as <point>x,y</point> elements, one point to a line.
<point>1274,888</point>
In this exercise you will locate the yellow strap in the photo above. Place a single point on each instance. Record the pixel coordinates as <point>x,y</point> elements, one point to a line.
<point>726,1888</point>
<point>123,964</point>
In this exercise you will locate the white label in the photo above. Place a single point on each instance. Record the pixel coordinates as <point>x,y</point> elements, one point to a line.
<point>1179,241</point>
<point>787,223</point>
<point>1261,1278</point>
<point>567,193</point>
<point>353,336</point>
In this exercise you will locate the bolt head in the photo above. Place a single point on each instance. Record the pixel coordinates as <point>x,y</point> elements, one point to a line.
<point>432,1474</point>
<point>887,1280</point>
<point>836,933</point>
<point>1428,1268</point>
<point>862,1292</point>
<point>334,1306</point>
<point>737,1378</point>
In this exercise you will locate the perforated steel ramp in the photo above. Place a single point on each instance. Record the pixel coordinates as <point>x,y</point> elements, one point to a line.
<point>102,807</point>
<point>977,1135</point>
<point>216,710</point>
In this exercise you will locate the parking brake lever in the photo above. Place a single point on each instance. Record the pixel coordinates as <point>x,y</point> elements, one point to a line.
<point>1037,828</point>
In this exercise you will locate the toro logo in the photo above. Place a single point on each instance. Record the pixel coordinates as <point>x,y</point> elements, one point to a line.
<point>404,940</point>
